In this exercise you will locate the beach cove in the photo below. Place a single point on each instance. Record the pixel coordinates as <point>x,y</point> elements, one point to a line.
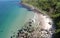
<point>17,14</point>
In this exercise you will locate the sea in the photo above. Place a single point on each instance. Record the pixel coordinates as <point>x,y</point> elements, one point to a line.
<point>12,18</point>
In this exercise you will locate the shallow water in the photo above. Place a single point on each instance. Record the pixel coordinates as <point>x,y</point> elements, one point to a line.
<point>12,18</point>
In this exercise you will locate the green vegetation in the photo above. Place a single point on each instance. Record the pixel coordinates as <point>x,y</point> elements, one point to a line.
<point>52,7</point>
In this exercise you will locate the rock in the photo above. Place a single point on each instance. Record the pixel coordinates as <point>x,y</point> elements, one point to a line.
<point>50,23</point>
<point>30,25</point>
<point>11,36</point>
<point>30,22</point>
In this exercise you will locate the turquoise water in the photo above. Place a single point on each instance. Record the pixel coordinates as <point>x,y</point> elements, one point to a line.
<point>12,18</point>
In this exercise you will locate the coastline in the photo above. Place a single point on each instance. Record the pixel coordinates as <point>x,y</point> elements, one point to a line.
<point>36,11</point>
<point>32,8</point>
<point>41,22</point>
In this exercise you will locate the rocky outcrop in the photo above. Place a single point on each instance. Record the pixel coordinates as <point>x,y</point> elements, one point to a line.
<point>31,30</point>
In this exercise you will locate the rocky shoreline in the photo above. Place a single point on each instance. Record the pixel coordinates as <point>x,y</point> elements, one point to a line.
<point>33,31</point>
<point>40,26</point>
